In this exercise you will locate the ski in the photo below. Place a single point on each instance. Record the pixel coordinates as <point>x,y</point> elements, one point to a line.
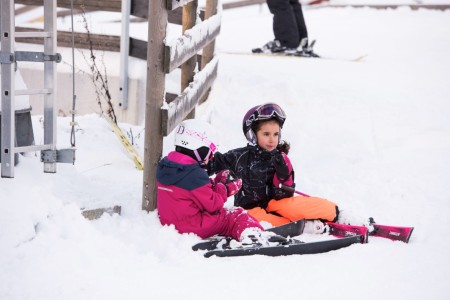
<point>290,229</point>
<point>395,233</point>
<point>343,230</point>
<point>294,247</point>
<point>287,230</point>
<point>346,235</point>
<point>297,54</point>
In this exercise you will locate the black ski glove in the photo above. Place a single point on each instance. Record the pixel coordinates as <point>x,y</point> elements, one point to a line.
<point>280,166</point>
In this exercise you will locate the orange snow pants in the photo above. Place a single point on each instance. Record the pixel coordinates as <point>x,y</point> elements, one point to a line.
<point>283,211</point>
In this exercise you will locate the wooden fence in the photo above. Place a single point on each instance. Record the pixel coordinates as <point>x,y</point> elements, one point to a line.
<point>162,117</point>
<point>163,111</point>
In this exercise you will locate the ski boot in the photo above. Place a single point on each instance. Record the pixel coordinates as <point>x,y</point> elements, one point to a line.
<point>274,47</point>
<point>251,237</point>
<point>349,218</point>
<point>316,227</point>
<point>307,50</point>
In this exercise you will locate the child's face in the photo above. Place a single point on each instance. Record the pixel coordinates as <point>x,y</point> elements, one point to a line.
<point>268,135</point>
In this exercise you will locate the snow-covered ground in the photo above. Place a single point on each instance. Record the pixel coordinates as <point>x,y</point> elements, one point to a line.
<point>373,136</point>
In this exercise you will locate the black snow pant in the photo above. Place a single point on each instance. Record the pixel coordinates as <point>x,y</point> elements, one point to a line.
<point>288,23</point>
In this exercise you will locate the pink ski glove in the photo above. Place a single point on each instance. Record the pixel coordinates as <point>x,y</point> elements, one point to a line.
<point>221,177</point>
<point>232,186</point>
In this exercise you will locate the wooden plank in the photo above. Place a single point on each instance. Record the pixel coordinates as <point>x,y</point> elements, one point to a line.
<point>153,143</point>
<point>241,3</point>
<point>173,4</point>
<point>139,8</point>
<point>93,214</point>
<point>24,9</point>
<point>170,97</point>
<point>104,5</point>
<point>138,48</point>
<point>100,42</point>
<point>176,16</point>
<point>191,42</point>
<point>176,111</point>
<point>208,51</point>
<point>188,68</point>
<point>68,12</point>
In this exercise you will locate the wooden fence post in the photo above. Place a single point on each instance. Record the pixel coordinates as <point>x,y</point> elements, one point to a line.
<point>188,68</point>
<point>153,143</point>
<point>208,51</point>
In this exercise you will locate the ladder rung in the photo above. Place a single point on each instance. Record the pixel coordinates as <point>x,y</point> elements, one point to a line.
<point>34,92</point>
<point>33,34</point>
<point>32,148</point>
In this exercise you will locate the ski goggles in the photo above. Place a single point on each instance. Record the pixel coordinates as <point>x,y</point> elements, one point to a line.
<point>267,111</point>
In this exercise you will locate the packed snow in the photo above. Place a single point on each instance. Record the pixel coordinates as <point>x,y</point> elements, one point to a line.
<point>372,135</point>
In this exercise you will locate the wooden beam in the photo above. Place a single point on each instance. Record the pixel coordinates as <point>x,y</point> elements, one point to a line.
<point>138,48</point>
<point>153,143</point>
<point>100,42</point>
<point>188,68</point>
<point>176,16</point>
<point>94,214</point>
<point>24,9</point>
<point>178,109</point>
<point>210,12</point>
<point>191,42</point>
<point>139,8</point>
<point>172,4</point>
<point>240,3</point>
<point>208,51</point>
<point>105,5</point>
<point>170,97</point>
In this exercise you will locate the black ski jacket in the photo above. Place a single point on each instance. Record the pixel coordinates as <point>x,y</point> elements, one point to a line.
<point>254,166</point>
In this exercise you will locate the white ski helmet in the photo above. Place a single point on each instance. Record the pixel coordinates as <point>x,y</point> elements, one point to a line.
<point>194,134</point>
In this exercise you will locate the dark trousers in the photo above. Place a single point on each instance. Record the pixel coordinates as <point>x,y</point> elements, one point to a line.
<point>288,23</point>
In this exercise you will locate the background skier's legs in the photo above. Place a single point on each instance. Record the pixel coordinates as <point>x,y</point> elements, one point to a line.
<point>301,25</point>
<point>285,26</point>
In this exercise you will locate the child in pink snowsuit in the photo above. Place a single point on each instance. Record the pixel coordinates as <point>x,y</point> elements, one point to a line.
<point>188,198</point>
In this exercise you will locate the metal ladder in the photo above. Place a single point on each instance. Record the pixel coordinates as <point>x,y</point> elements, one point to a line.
<point>8,58</point>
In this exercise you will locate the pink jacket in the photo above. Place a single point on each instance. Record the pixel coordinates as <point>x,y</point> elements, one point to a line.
<point>188,200</point>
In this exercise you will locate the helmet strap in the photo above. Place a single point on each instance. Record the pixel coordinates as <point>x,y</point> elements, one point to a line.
<point>199,158</point>
<point>251,137</point>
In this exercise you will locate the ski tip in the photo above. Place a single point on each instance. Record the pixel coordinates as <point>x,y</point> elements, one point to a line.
<point>394,233</point>
<point>409,235</point>
<point>209,254</point>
